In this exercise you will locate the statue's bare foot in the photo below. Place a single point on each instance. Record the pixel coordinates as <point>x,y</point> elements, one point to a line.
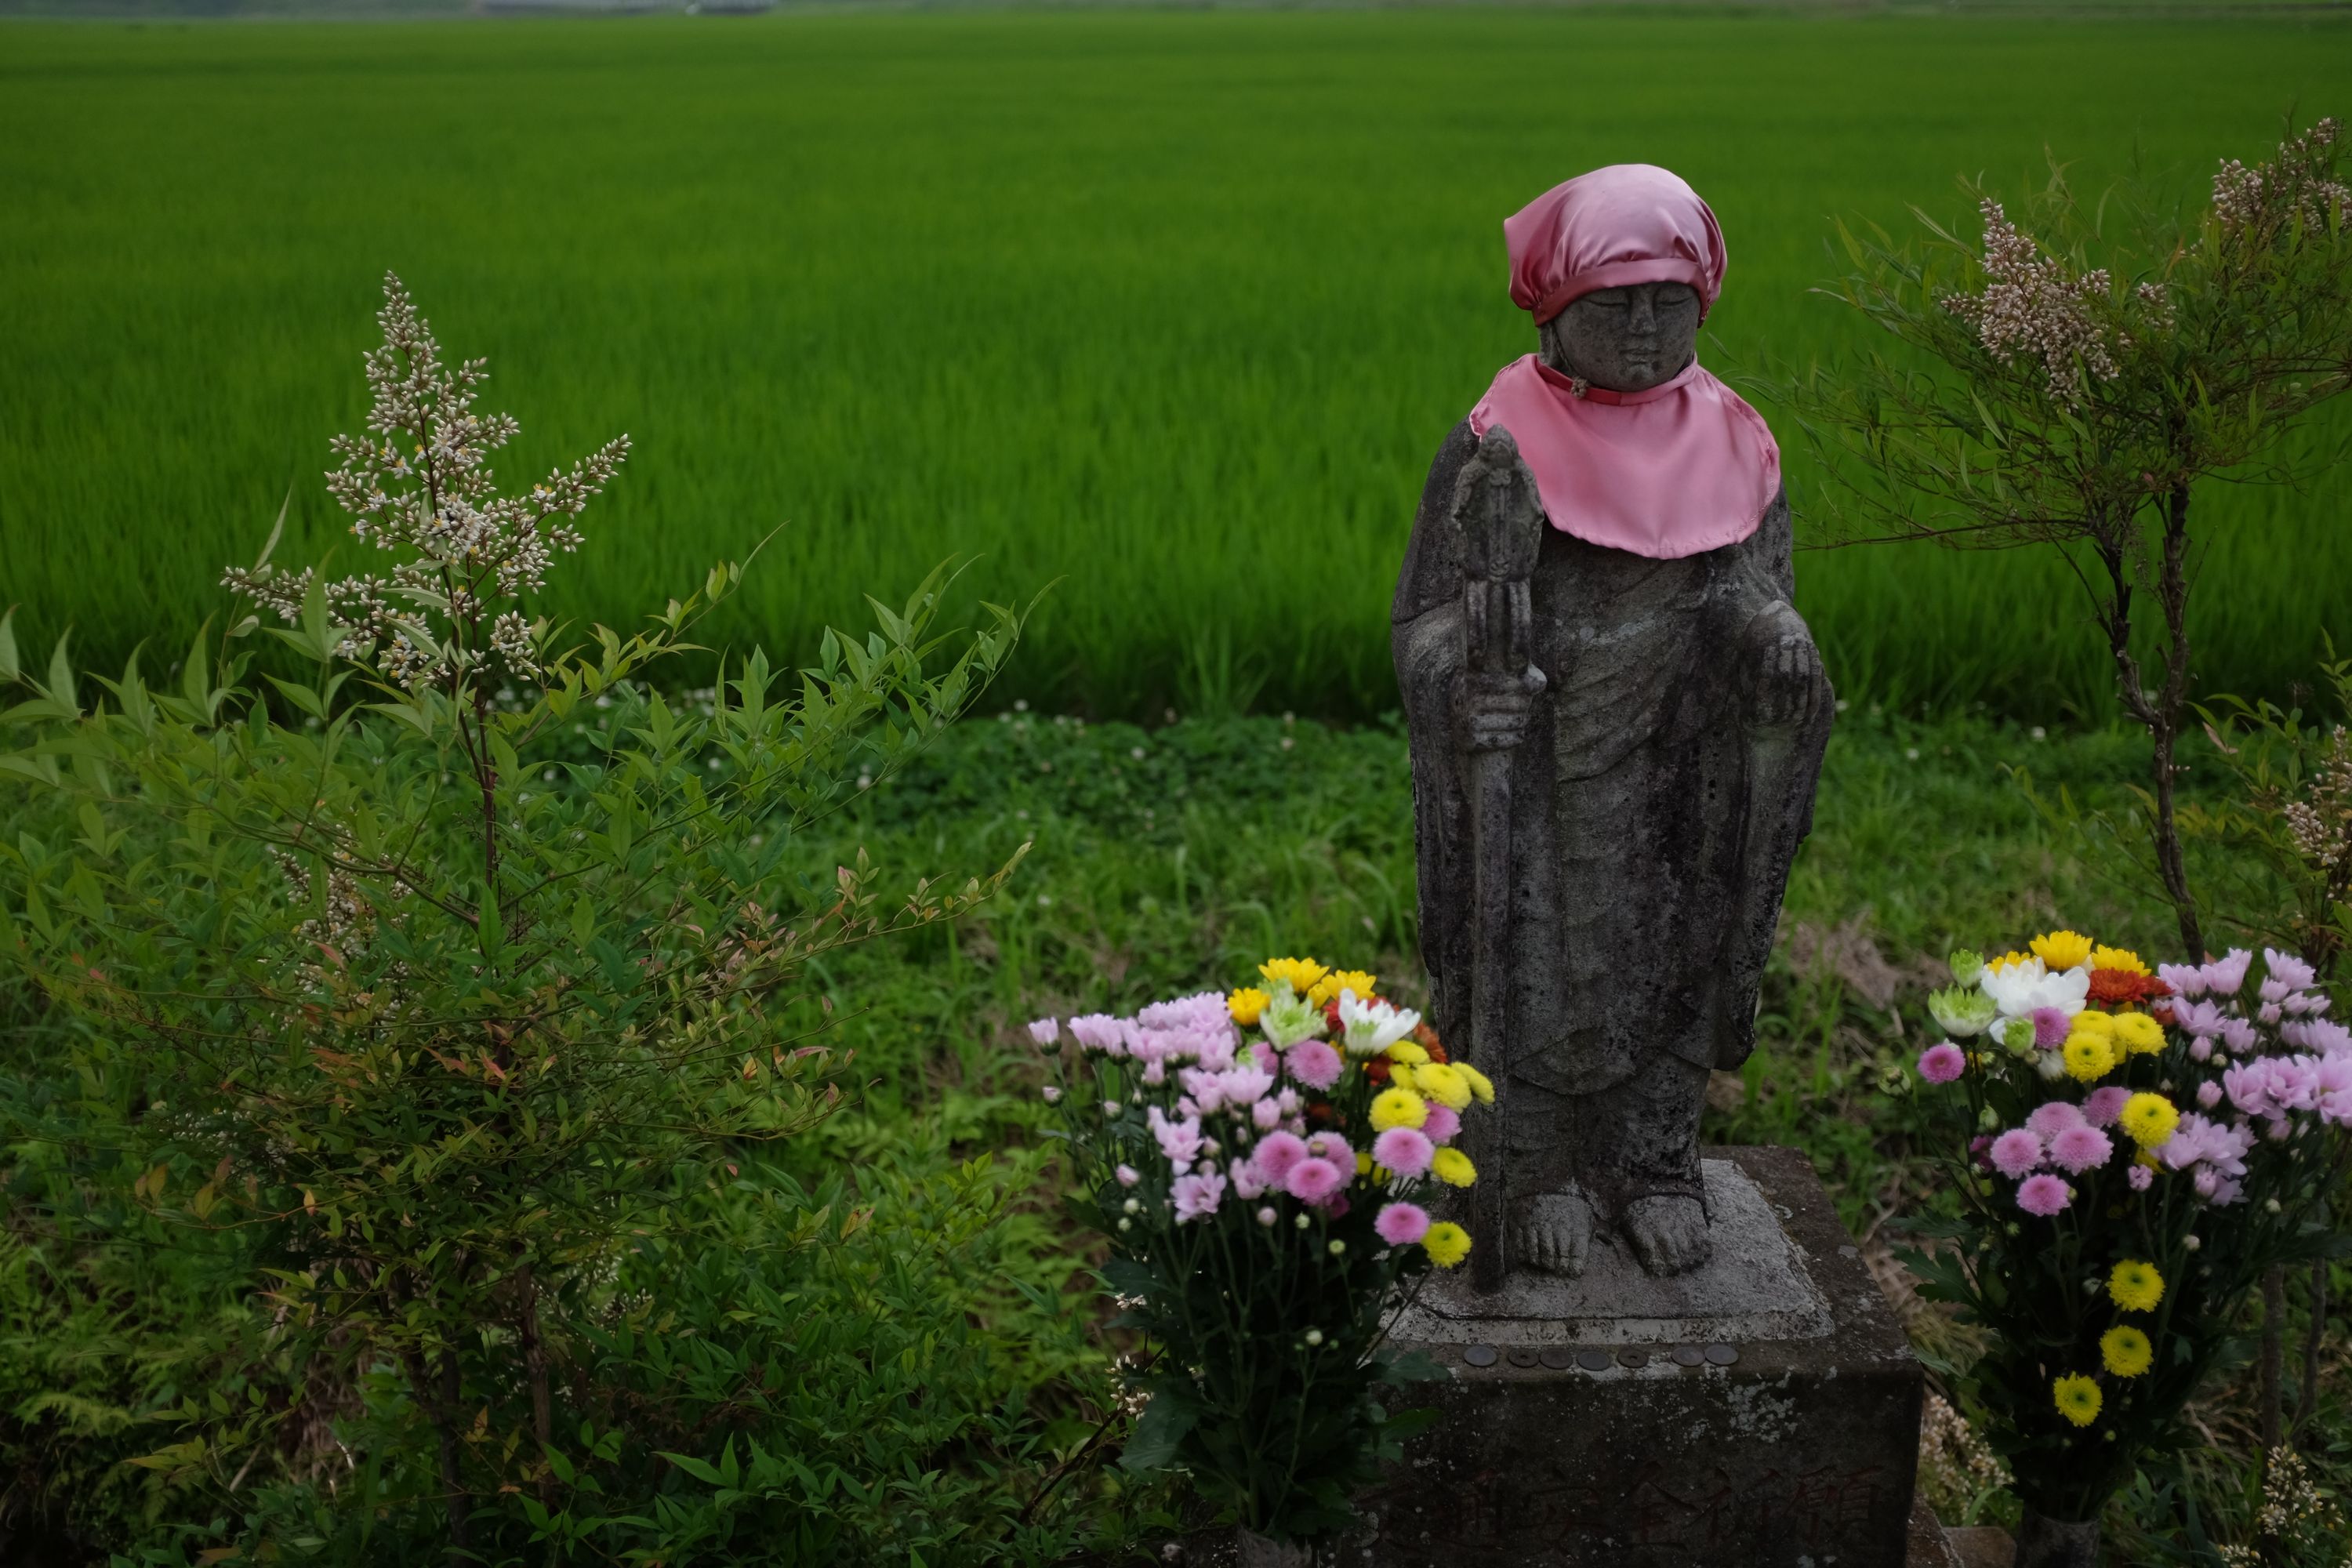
<point>1668,1233</point>
<point>1550,1231</point>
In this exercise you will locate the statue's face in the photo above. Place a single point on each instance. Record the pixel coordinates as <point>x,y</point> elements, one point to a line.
<point>1627,339</point>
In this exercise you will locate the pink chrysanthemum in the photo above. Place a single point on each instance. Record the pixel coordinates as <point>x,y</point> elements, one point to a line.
<point>1313,1180</point>
<point>2105,1105</point>
<point>1402,1225</point>
<point>2044,1194</point>
<point>1404,1150</point>
<point>1314,1063</point>
<point>1332,1147</point>
<point>1128,1175</point>
<point>1197,1196</point>
<point>1942,1063</point>
<point>2141,1178</point>
<point>2049,1027</point>
<point>1443,1122</point>
<point>2080,1148</point>
<point>2049,1121</point>
<point>1278,1152</point>
<point>2016,1151</point>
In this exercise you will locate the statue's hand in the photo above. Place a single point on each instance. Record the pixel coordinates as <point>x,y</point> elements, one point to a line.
<point>1495,709</point>
<point>1791,684</point>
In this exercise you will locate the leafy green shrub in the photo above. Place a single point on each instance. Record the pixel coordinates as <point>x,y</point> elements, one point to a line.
<point>817,1375</point>
<point>456,1038</point>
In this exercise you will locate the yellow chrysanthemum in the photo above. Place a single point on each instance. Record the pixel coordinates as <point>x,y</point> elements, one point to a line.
<point>2126,1352</point>
<point>2088,1060</point>
<point>2009,959</point>
<point>1447,1243</point>
<point>2149,1119</point>
<point>2137,1034</point>
<point>1339,980</point>
<point>1402,1075</point>
<point>1480,1084</point>
<point>2062,949</point>
<point>1408,1053</point>
<point>1453,1167</point>
<point>1363,1164</point>
<point>1443,1084</point>
<point>1398,1107</point>
<point>2077,1397</point>
<point>2121,958</point>
<point>2088,1022</point>
<point>2134,1287</point>
<point>1301,972</point>
<point>1245,1004</point>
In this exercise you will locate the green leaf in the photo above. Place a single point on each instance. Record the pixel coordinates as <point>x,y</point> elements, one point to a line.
<point>1412,1366</point>
<point>301,696</point>
<point>9,668</point>
<point>317,625</point>
<point>407,713</point>
<point>276,530</point>
<point>60,689</point>
<point>695,1468</point>
<point>1158,1435</point>
<point>490,930</point>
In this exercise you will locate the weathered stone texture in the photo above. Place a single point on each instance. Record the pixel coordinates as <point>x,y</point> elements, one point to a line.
<point>1689,1433</point>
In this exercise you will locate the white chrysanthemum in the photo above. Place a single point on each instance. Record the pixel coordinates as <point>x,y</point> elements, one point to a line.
<point>1372,1028</point>
<point>2018,989</point>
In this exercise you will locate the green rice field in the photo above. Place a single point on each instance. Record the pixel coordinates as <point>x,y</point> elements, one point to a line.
<point>1170,308</point>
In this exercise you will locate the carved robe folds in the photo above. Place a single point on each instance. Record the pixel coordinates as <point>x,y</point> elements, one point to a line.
<point>1664,784</point>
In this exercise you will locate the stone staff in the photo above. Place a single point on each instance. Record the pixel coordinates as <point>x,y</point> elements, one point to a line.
<point>1501,527</point>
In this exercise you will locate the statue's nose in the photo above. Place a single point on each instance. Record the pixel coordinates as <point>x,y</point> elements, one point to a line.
<point>1645,312</point>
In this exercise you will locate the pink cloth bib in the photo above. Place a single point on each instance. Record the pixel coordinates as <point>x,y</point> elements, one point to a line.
<point>1681,468</point>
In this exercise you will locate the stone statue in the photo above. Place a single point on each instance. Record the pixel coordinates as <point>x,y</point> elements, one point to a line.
<point>1617,720</point>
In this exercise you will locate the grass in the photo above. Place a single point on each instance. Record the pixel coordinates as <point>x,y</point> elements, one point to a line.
<point>1170,306</point>
<point>1168,860</point>
<point>1163,860</point>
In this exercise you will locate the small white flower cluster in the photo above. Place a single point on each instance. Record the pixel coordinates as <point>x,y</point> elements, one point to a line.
<point>1957,1466</point>
<point>420,481</point>
<point>347,911</point>
<point>2296,1512</point>
<point>2321,824</point>
<point>2296,181</point>
<point>2032,305</point>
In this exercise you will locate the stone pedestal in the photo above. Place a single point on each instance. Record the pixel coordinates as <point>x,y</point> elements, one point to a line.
<point>1762,1412</point>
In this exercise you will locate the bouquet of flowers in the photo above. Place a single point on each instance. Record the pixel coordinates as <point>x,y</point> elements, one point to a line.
<point>1261,1164</point>
<point>2140,1147</point>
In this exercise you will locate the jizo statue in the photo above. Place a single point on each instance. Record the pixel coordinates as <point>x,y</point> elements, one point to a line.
<point>1617,720</point>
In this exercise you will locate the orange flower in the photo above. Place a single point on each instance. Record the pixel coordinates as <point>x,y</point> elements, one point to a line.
<point>2122,988</point>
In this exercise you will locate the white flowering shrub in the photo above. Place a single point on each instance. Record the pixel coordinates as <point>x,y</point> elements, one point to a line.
<point>446,1024</point>
<point>419,485</point>
<point>2079,380</point>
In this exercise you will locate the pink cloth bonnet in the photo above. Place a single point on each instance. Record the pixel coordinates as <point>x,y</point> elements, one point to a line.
<point>1680,468</point>
<point>1629,223</point>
